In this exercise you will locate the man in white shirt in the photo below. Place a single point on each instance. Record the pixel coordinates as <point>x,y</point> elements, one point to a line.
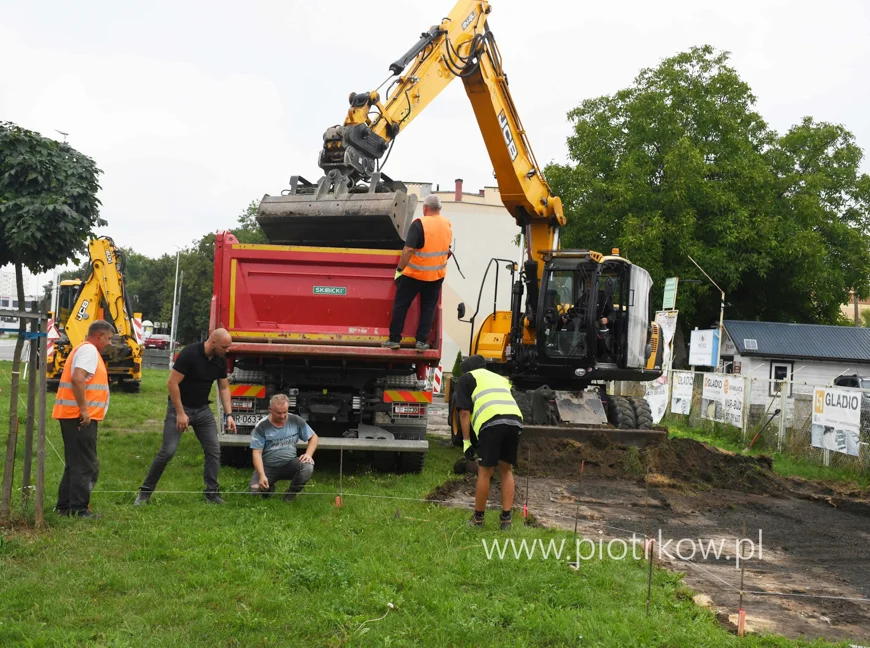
<point>82,400</point>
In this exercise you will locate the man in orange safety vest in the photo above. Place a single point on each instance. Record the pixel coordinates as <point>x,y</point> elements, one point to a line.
<point>82,401</point>
<point>421,271</point>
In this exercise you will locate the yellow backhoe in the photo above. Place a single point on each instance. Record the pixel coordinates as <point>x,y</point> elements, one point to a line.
<point>102,295</point>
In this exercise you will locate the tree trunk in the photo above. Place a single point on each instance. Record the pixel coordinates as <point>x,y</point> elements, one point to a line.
<point>12,440</point>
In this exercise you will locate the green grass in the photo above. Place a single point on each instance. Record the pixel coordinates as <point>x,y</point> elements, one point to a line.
<point>256,573</point>
<point>783,464</point>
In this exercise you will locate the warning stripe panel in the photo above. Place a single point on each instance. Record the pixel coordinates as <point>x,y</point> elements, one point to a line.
<point>405,396</point>
<point>250,391</point>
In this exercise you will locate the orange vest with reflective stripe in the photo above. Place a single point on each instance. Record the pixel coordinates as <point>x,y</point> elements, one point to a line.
<point>96,392</point>
<point>429,263</point>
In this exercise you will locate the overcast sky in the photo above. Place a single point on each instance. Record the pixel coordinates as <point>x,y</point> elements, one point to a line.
<point>193,109</point>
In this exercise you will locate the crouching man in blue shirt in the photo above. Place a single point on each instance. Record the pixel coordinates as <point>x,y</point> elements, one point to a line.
<point>273,442</point>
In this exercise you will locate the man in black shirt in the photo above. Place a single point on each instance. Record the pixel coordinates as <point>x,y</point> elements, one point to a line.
<point>190,382</point>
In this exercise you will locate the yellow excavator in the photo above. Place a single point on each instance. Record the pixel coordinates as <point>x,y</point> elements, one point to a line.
<point>102,295</point>
<point>579,319</point>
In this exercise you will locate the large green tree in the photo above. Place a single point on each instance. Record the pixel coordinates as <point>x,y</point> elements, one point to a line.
<point>681,164</point>
<point>48,211</point>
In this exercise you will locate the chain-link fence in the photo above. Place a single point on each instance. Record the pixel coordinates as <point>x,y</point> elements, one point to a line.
<point>774,415</point>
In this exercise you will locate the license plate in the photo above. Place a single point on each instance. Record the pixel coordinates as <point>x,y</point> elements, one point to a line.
<point>407,409</point>
<point>243,404</point>
<point>248,419</point>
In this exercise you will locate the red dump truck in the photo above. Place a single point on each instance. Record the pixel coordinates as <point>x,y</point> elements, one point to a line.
<point>308,321</point>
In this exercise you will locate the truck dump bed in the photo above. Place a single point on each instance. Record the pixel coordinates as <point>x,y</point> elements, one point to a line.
<point>312,301</point>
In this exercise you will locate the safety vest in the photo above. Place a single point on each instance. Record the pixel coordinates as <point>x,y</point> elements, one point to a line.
<point>490,398</point>
<point>96,392</point>
<point>429,263</point>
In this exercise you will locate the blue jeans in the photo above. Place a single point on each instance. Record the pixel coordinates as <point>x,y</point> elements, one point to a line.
<point>201,419</point>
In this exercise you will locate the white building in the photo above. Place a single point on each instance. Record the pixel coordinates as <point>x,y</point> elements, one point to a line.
<point>804,355</point>
<point>482,229</point>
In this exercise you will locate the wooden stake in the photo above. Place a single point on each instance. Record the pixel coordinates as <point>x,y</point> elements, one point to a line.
<point>39,501</point>
<point>651,545</point>
<point>31,406</point>
<point>528,470</point>
<point>579,491</point>
<point>340,476</point>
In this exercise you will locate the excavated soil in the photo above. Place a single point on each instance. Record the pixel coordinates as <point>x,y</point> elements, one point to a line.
<point>816,537</point>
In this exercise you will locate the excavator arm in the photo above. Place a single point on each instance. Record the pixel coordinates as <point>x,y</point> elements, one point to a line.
<point>462,46</point>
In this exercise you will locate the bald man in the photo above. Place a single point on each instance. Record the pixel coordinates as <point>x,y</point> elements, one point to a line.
<point>190,382</point>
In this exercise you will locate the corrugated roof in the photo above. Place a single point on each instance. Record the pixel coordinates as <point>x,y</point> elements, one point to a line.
<point>803,341</point>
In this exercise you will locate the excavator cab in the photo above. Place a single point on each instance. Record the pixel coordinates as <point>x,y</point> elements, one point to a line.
<point>592,319</point>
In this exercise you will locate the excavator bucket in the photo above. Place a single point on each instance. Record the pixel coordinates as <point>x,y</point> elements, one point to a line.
<point>331,215</point>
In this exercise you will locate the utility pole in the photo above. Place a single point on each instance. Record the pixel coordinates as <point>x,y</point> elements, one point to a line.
<point>721,306</point>
<point>854,296</point>
<point>174,297</point>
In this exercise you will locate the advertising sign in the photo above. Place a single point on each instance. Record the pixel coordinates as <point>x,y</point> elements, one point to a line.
<point>667,321</point>
<point>704,348</point>
<point>657,397</point>
<point>670,300</point>
<point>837,420</point>
<point>711,398</point>
<point>732,400</point>
<point>681,391</point>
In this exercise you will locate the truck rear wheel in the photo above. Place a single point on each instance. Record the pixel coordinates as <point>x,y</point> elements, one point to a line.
<point>621,413</point>
<point>642,413</point>
<point>412,462</point>
<point>384,462</point>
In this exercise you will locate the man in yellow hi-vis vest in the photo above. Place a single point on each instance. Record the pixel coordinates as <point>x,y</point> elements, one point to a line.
<point>487,408</point>
<point>421,271</point>
<point>82,400</point>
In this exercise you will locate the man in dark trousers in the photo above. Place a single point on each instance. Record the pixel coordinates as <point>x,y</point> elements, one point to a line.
<point>190,382</point>
<point>487,407</point>
<point>421,271</point>
<point>82,401</point>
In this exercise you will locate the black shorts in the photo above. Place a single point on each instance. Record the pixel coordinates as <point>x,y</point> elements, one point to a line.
<point>499,442</point>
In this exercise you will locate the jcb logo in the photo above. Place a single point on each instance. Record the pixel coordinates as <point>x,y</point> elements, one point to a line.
<point>819,401</point>
<point>508,136</point>
<point>83,311</point>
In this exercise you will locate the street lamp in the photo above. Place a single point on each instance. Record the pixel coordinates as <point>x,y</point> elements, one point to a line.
<point>174,313</point>
<point>721,306</point>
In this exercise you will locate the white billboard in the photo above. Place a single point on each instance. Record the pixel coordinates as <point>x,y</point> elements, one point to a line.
<point>837,420</point>
<point>682,383</point>
<point>704,348</point>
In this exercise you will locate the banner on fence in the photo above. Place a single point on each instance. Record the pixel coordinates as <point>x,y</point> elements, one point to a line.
<point>704,348</point>
<point>682,383</point>
<point>657,397</point>
<point>837,420</point>
<point>711,398</point>
<point>667,321</point>
<point>732,400</point>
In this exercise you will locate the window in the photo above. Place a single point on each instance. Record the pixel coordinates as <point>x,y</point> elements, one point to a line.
<point>751,344</point>
<point>780,373</point>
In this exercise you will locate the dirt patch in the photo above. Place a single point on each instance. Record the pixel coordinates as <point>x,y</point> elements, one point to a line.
<point>816,546</point>
<point>675,460</point>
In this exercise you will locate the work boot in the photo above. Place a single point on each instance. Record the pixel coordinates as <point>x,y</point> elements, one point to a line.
<point>389,344</point>
<point>290,496</point>
<point>87,514</point>
<point>62,511</point>
<point>422,346</point>
<point>143,497</point>
<point>214,498</point>
<point>504,523</point>
<point>475,522</point>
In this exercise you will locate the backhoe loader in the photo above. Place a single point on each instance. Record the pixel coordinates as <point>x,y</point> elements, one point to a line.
<point>102,295</point>
<point>552,344</point>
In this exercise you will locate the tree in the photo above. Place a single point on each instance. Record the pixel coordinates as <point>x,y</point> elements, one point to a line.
<point>48,211</point>
<point>249,230</point>
<point>681,164</point>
